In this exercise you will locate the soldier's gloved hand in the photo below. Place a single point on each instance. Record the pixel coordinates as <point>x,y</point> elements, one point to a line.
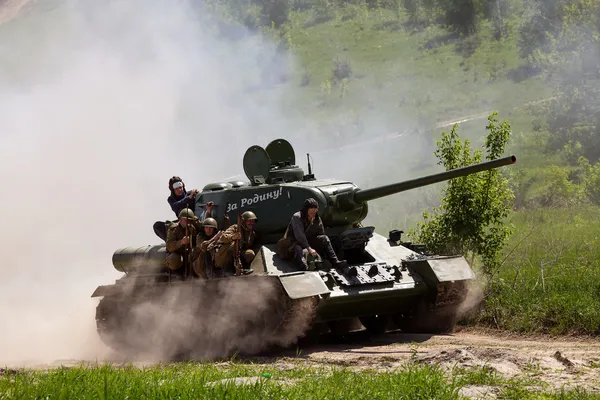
<point>237,236</point>
<point>185,240</point>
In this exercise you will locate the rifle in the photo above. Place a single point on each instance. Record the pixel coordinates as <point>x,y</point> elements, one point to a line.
<point>188,251</point>
<point>236,250</point>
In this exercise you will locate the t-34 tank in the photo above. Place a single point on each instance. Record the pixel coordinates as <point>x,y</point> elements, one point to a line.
<point>390,283</point>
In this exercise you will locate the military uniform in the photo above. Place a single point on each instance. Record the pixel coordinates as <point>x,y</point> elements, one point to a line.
<point>175,234</point>
<point>204,250</point>
<point>303,234</point>
<point>226,244</point>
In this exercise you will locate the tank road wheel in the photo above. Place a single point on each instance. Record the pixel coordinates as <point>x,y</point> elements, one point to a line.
<point>375,323</point>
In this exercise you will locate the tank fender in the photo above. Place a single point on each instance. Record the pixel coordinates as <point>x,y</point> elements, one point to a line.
<point>435,270</point>
<point>446,276</point>
<point>302,284</point>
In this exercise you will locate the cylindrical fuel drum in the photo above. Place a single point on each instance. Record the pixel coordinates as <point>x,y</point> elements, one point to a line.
<point>145,259</point>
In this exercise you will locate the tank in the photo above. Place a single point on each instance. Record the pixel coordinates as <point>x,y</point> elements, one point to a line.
<point>390,283</point>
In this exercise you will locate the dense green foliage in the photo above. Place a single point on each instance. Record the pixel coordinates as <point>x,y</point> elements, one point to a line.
<point>471,219</point>
<point>251,381</point>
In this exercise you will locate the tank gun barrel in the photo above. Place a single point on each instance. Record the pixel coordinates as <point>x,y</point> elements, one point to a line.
<point>363,195</point>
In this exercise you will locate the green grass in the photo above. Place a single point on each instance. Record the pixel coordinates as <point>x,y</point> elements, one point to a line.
<point>550,280</point>
<point>199,381</point>
<point>401,78</point>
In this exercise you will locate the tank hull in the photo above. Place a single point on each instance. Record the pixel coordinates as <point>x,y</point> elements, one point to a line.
<point>396,288</point>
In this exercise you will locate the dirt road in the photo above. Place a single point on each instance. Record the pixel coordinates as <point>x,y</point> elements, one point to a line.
<point>559,362</point>
<point>567,362</point>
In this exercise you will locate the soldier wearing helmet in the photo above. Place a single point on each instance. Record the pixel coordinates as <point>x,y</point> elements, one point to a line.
<point>204,250</point>
<point>224,255</point>
<point>178,243</point>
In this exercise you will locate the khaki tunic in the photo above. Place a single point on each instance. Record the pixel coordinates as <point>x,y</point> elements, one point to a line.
<point>225,247</point>
<point>204,252</point>
<point>175,247</point>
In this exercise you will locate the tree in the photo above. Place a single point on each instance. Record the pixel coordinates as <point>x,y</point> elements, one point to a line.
<point>471,218</point>
<point>570,59</point>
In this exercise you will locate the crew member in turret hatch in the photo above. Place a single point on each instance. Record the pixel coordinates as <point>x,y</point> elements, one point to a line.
<point>308,237</point>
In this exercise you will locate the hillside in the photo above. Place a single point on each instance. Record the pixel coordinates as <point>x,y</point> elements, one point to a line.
<point>364,70</point>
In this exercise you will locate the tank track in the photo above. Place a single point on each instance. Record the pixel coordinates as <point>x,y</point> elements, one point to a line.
<point>212,320</point>
<point>437,315</point>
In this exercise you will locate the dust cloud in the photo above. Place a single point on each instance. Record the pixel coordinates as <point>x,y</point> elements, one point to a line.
<point>241,316</point>
<point>100,103</point>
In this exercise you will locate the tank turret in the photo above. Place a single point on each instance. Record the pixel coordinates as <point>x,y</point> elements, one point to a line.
<point>277,188</point>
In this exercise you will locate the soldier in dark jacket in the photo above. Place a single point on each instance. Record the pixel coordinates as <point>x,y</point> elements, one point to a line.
<point>178,200</point>
<point>308,235</point>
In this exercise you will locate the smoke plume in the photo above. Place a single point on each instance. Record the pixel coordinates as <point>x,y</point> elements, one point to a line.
<point>100,103</point>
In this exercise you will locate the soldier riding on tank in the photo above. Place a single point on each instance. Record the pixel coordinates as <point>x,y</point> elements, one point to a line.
<point>305,240</point>
<point>178,200</point>
<point>205,243</point>
<point>225,256</point>
<point>181,239</point>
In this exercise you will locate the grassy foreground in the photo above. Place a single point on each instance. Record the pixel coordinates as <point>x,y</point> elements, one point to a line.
<point>199,381</point>
<point>550,279</point>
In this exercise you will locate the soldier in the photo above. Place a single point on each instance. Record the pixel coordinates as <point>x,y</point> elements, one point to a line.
<point>224,255</point>
<point>204,250</point>
<point>307,239</point>
<point>178,241</point>
<point>179,198</point>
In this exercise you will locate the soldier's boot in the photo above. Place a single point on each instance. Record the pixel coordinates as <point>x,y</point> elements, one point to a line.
<point>300,256</point>
<point>338,264</point>
<point>311,263</point>
<point>248,258</point>
<point>160,229</point>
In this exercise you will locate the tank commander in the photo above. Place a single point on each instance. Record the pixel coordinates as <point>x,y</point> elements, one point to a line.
<point>180,198</point>
<point>224,250</point>
<point>177,240</point>
<point>305,240</point>
<point>204,250</point>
